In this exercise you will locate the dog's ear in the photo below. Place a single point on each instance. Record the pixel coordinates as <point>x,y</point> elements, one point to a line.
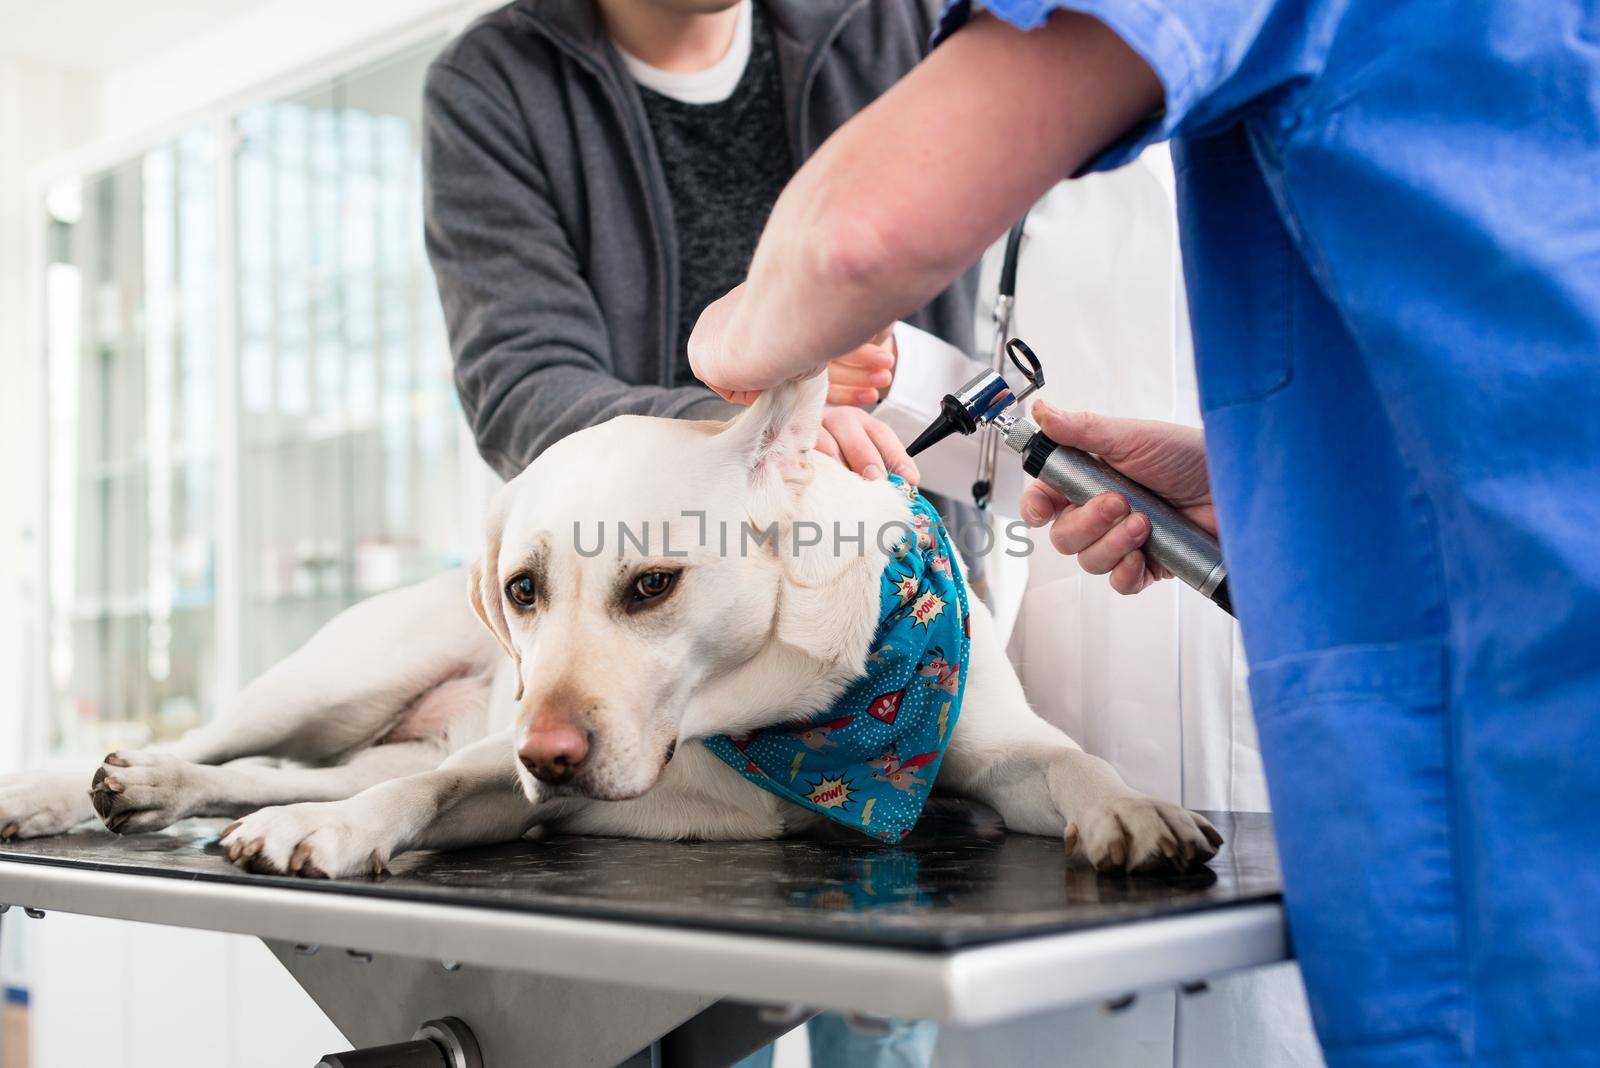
<point>823,611</point>
<point>483,589</point>
<point>776,434</point>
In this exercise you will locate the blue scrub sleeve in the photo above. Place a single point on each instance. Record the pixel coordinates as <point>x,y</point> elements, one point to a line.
<point>1216,59</point>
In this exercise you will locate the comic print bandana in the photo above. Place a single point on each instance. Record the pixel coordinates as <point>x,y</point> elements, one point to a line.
<point>870,761</point>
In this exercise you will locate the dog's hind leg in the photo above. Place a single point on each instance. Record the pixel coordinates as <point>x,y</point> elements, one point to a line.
<point>346,688</point>
<point>471,799</point>
<point>353,680</point>
<point>137,791</point>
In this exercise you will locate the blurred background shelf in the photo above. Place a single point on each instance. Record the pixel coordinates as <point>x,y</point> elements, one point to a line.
<point>228,472</point>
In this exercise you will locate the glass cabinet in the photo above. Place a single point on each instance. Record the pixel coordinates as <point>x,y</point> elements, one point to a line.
<point>320,398</point>
<point>348,421</point>
<point>131,303</point>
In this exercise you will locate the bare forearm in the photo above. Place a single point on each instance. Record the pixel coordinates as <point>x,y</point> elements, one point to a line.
<point>910,192</point>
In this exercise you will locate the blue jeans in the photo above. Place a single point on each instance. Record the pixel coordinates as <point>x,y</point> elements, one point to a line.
<point>836,1044</point>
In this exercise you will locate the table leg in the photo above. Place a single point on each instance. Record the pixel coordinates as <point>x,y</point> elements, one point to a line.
<point>721,1035</point>
<point>517,1017</point>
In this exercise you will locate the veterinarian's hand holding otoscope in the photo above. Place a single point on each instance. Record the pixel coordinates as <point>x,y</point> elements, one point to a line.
<point>1168,458</point>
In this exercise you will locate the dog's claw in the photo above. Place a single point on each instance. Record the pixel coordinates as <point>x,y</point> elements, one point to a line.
<point>115,760</point>
<point>229,829</point>
<point>1172,851</point>
<point>99,796</point>
<point>299,858</point>
<point>1070,839</point>
<point>377,865</point>
<point>1188,850</point>
<point>1117,851</point>
<point>8,832</point>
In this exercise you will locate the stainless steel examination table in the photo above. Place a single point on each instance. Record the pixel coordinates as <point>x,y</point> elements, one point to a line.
<point>573,951</point>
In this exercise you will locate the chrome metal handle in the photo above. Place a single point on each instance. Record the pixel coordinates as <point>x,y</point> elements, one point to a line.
<point>1175,542</point>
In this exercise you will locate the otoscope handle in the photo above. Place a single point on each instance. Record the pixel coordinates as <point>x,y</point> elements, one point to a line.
<point>1175,543</point>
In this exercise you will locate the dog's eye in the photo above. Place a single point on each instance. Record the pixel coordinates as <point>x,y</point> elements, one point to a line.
<point>652,584</point>
<point>521,590</point>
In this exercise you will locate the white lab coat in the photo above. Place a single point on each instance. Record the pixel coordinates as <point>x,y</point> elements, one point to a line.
<point>1154,683</point>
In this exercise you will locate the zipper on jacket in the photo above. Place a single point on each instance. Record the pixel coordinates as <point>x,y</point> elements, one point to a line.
<point>808,75</point>
<point>647,165</point>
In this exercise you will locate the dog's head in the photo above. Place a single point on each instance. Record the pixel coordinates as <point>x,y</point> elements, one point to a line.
<point>643,577</point>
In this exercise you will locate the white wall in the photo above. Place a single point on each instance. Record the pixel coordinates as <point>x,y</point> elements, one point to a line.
<point>272,41</point>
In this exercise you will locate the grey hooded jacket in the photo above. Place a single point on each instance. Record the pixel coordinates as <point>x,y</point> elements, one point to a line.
<point>548,217</point>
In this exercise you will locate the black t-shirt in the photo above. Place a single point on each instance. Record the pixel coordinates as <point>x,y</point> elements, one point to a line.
<point>725,165</point>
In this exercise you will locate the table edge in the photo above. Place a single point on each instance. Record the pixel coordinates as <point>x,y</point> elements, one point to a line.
<point>971,985</point>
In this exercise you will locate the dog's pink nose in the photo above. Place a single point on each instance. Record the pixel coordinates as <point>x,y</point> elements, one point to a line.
<point>553,752</point>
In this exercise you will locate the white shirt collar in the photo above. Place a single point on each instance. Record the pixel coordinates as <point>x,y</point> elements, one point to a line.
<point>710,86</point>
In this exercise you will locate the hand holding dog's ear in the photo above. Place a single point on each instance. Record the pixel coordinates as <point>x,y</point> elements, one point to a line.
<point>741,369</point>
<point>860,377</point>
<point>710,355</point>
<point>788,422</point>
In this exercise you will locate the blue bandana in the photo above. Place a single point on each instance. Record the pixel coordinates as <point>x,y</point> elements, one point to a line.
<point>870,761</point>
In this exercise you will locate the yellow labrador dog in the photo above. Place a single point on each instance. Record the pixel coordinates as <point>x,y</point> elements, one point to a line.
<point>564,679</point>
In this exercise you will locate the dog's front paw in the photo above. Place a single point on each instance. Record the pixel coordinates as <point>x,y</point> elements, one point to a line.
<point>136,791</point>
<point>38,803</point>
<point>1141,834</point>
<point>315,840</point>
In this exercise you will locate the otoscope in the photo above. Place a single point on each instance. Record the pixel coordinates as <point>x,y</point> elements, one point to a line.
<point>988,401</point>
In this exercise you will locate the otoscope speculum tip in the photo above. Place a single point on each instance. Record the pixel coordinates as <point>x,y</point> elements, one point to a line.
<point>937,431</point>
<point>953,419</point>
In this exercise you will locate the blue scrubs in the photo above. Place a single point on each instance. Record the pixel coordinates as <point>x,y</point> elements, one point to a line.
<point>1390,216</point>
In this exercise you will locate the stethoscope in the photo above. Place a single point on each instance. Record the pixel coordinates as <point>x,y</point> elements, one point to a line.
<point>1005,299</point>
<point>990,403</point>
